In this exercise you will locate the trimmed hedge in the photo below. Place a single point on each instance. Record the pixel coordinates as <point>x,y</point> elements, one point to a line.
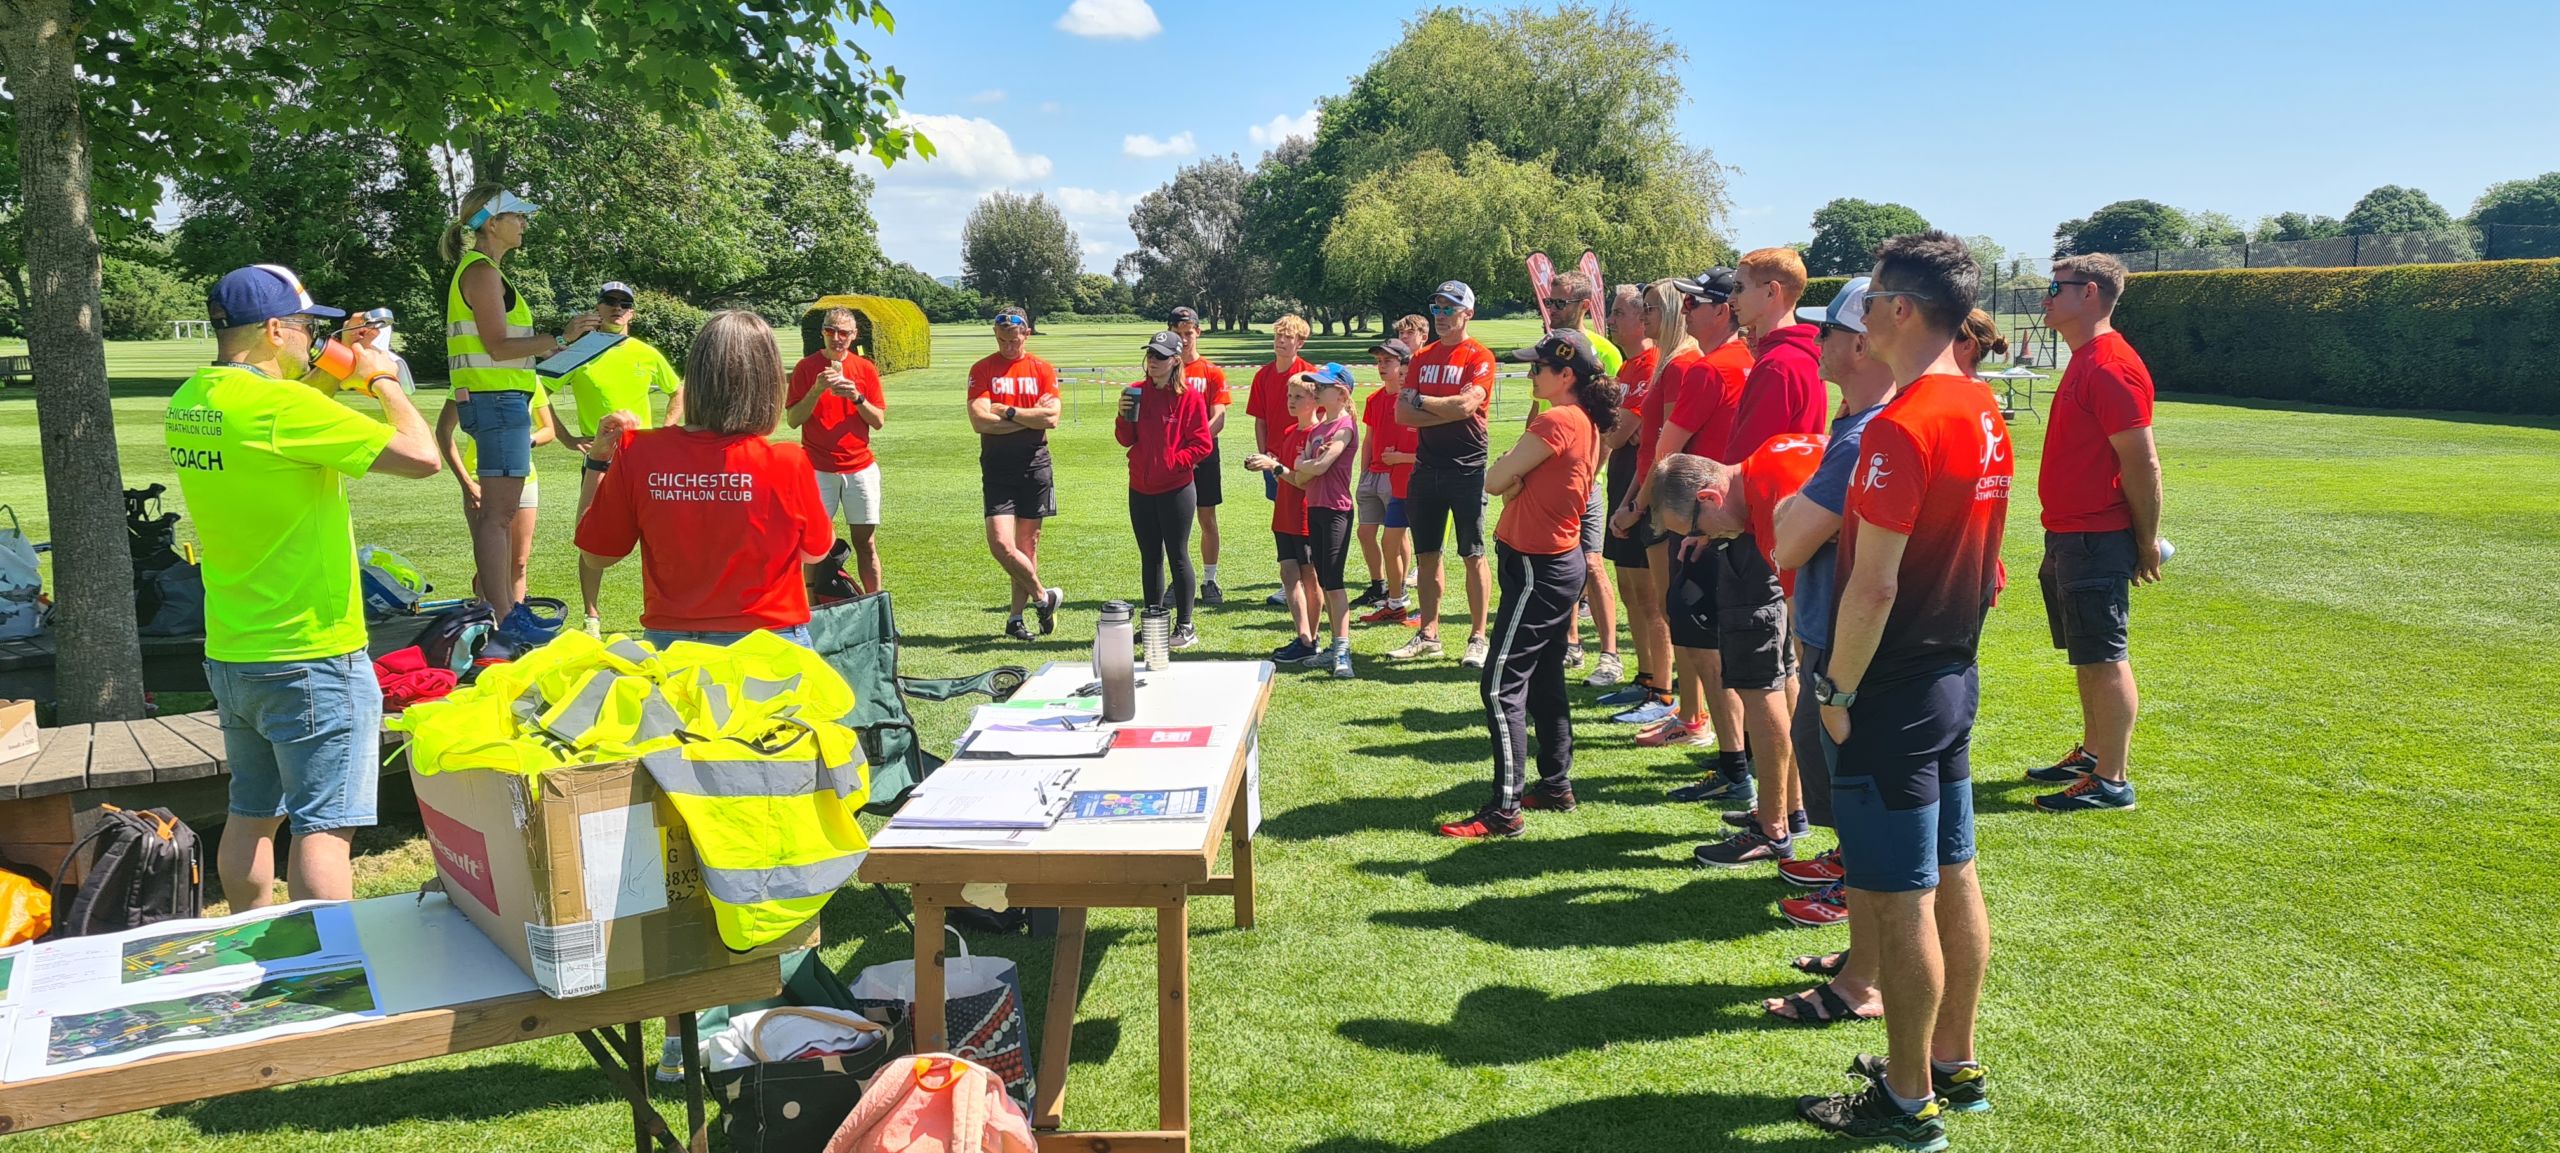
<point>1819,290</point>
<point>2482,337</point>
<point>895,335</point>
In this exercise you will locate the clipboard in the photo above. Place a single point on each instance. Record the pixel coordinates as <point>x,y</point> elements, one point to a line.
<point>578,354</point>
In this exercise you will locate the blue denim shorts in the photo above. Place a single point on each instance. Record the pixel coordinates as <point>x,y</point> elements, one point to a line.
<point>501,428</point>
<point>304,739</point>
<point>661,638</point>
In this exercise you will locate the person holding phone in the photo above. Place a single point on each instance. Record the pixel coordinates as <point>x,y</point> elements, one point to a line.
<point>1164,423</point>
<point>837,403</point>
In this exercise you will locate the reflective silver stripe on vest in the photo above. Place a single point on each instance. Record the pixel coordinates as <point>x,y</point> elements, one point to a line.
<point>675,773</point>
<point>575,720</point>
<point>780,883</point>
<point>764,690</point>
<point>472,328</point>
<point>483,360</point>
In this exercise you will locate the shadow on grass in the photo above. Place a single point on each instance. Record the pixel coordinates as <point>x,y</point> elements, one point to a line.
<point>1512,1025</point>
<point>2267,404</point>
<point>1635,1121</point>
<point>1417,815</point>
<point>1607,916</point>
<point>1484,863</point>
<point>480,1093</point>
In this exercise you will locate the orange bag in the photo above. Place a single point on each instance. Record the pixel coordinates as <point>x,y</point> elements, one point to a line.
<point>936,1103</point>
<point>26,909</point>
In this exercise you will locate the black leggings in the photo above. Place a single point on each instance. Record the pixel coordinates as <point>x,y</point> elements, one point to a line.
<point>1163,524</point>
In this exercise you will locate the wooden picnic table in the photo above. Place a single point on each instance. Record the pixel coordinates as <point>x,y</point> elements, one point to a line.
<point>169,664</point>
<point>1075,867</point>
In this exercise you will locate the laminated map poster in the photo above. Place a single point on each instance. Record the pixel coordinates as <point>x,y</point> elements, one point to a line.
<point>88,970</point>
<point>212,1015</point>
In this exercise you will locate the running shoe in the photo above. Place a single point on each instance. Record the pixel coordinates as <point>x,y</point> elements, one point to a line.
<point>1734,788</point>
<point>1342,662</point>
<point>670,1068</point>
<point>1821,870</point>
<point>1387,615</point>
<point>1211,594</point>
<point>1184,637</point>
<point>1641,691</point>
<point>1477,649</point>
<point>2071,768</point>
<point>1019,631</point>
<point>1748,847</point>
<point>595,627</point>
<point>1963,1089</point>
<point>1646,713</point>
<point>1559,801</point>
<point>526,629</point>
<point>1573,655</point>
<point>1820,909</point>
<point>1422,645</point>
<point>1277,600</point>
<point>1672,731</point>
<point>1298,649</point>
<point>1743,818</point>
<point>1372,596</point>
<point>1606,670</point>
<point>1047,608</point>
<point>1868,1113</point>
<point>1319,656</point>
<point>2090,794</point>
<point>1485,826</point>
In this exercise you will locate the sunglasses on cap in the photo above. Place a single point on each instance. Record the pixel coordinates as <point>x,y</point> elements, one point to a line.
<point>1011,320</point>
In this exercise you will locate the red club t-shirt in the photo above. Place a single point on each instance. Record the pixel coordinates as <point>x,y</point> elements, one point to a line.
<point>1544,518</point>
<point>721,521</point>
<point>2107,390</point>
<point>1773,474</point>
<point>1267,398</point>
<point>1289,512</point>
<point>1705,399</point>
<point>1635,377</point>
<point>834,434</point>
<point>1209,380</point>
<point>1657,407</point>
<point>1445,369</point>
<point>1382,433</point>
<point>1023,382</point>
<point>1935,466</point>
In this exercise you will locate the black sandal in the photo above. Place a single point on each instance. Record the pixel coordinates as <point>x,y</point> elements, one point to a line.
<point>1821,964</point>
<point>1818,1007</point>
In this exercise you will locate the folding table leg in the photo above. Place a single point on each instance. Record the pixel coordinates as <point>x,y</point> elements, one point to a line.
<point>1058,1019</point>
<point>1173,1015</point>
<point>931,1032</point>
<point>1240,832</point>
<point>697,1126</point>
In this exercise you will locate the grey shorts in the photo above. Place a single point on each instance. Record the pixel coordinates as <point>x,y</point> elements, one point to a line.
<point>1375,491</point>
<point>1595,520</point>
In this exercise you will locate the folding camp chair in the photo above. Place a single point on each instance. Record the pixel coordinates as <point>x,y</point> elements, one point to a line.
<point>859,639</point>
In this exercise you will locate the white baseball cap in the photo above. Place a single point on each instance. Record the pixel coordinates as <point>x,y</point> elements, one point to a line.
<point>1848,309</point>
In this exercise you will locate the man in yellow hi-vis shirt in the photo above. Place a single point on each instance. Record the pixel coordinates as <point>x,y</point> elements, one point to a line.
<point>620,380</point>
<point>264,459</point>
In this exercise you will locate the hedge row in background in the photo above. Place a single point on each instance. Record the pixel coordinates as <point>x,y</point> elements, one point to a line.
<point>2479,337</point>
<point>895,335</point>
<point>1819,290</point>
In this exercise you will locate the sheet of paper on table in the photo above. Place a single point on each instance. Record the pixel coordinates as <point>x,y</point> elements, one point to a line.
<point>1008,741</point>
<point>426,955</point>
<point>975,794</point>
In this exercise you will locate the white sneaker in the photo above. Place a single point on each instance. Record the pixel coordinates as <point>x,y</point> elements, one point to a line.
<point>1573,656</point>
<point>1477,647</point>
<point>1606,670</point>
<point>1342,661</point>
<point>670,1061</point>
<point>1419,646</point>
<point>595,628</point>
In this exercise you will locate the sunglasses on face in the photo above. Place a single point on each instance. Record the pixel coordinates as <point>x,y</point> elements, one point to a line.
<point>839,332</point>
<point>1560,303</point>
<point>1873,294</point>
<point>1444,310</point>
<point>2054,289</point>
<point>1826,328</point>
<point>1693,304</point>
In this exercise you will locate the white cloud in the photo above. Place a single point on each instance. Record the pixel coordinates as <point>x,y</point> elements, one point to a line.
<point>1110,19</point>
<point>1281,128</point>
<point>1146,147</point>
<point>968,151</point>
<point>921,204</point>
<point>1095,248</point>
<point>1090,202</point>
<point>990,96</point>
<point>1051,108</point>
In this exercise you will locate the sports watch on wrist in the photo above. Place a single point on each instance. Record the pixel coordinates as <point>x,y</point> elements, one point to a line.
<point>1009,410</point>
<point>1830,695</point>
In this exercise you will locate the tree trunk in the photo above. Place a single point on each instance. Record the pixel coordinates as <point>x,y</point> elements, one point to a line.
<point>98,672</point>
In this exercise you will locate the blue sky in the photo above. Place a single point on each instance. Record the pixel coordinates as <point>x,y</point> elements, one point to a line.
<point>1990,118</point>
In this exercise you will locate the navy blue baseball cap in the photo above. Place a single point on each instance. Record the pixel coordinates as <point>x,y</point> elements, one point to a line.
<point>260,293</point>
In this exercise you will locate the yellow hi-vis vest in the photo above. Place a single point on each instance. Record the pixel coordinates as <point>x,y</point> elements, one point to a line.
<point>772,822</point>
<point>466,359</point>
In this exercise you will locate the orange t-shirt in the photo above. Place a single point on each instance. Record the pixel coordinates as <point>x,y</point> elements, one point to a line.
<point>1202,376</point>
<point>1773,474</point>
<point>1544,518</point>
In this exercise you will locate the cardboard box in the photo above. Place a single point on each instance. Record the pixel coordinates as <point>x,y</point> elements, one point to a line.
<point>17,730</point>
<point>585,876</point>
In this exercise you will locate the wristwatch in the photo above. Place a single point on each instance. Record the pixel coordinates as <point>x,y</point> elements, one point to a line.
<point>1009,410</point>
<point>1830,695</point>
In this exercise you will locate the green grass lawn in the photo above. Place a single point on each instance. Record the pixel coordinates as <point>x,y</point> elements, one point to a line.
<point>2331,925</point>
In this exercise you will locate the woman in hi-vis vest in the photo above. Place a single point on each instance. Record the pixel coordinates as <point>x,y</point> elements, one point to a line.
<point>490,347</point>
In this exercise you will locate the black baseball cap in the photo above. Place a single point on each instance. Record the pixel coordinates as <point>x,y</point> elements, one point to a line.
<point>1182,313</point>
<point>1392,346</point>
<point>1561,348</point>
<point>1166,344</point>
<point>1715,285</point>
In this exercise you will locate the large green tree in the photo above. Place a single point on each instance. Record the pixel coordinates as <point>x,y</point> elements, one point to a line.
<point>1191,246</point>
<point>2392,208</point>
<point>2124,226</point>
<point>2290,226</point>
<point>1405,230</point>
<point>108,97</point>
<point>1847,231</point>
<point>1018,250</point>
<point>2533,203</point>
<point>1288,205</point>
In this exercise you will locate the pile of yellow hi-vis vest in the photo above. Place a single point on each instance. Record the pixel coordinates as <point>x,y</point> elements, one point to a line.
<point>746,740</point>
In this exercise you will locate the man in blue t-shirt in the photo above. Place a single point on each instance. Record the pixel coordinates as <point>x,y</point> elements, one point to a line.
<point>1808,530</point>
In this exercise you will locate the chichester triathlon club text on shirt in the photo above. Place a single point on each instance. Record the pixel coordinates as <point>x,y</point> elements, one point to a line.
<point>1015,390</point>
<point>729,487</point>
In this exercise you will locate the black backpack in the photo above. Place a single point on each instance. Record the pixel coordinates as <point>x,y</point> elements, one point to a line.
<point>147,869</point>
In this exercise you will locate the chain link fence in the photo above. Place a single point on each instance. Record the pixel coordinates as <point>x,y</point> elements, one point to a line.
<point>2490,242</point>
